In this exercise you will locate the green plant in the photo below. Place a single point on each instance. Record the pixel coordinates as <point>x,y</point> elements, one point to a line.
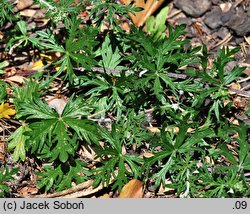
<point>111,11</point>
<point>21,40</point>
<point>156,26</point>
<point>3,91</point>
<point>5,176</point>
<point>61,10</point>
<point>77,52</point>
<point>6,12</point>
<point>3,65</point>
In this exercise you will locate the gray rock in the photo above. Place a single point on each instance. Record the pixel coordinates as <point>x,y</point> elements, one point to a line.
<point>213,18</point>
<point>240,23</point>
<point>184,20</point>
<point>216,2</point>
<point>226,16</point>
<point>194,8</point>
<point>222,32</point>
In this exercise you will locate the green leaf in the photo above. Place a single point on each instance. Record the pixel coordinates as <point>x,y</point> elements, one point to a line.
<point>3,92</point>
<point>17,141</point>
<point>22,27</point>
<point>233,75</point>
<point>61,146</point>
<point>41,133</point>
<point>156,26</point>
<point>47,40</point>
<point>161,175</point>
<point>37,109</point>
<point>110,55</point>
<point>75,108</point>
<point>85,129</point>
<point>6,175</point>
<point>50,176</point>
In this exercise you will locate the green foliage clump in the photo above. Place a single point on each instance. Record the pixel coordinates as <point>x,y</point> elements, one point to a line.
<point>6,175</point>
<point>6,12</point>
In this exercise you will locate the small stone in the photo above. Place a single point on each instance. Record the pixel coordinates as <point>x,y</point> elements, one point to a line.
<point>194,8</point>
<point>238,40</point>
<point>226,16</point>
<point>185,21</point>
<point>222,32</point>
<point>216,2</point>
<point>240,23</point>
<point>213,18</point>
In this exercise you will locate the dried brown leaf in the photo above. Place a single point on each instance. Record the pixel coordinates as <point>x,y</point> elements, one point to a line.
<point>28,12</point>
<point>22,4</point>
<point>57,103</point>
<point>133,189</point>
<point>16,78</point>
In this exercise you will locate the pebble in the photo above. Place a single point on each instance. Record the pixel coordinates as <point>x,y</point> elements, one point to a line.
<point>213,18</point>
<point>222,32</point>
<point>240,23</point>
<point>194,8</point>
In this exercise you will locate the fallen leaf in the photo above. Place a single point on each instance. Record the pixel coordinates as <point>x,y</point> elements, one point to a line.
<point>27,191</point>
<point>105,196</point>
<point>175,130</point>
<point>57,103</point>
<point>225,7</point>
<point>163,190</point>
<point>28,12</point>
<point>146,155</point>
<point>6,110</point>
<point>3,148</point>
<point>133,189</point>
<point>247,72</point>
<point>22,4</point>
<point>38,65</point>
<point>48,58</point>
<point>16,78</point>
<point>235,86</point>
<point>87,152</point>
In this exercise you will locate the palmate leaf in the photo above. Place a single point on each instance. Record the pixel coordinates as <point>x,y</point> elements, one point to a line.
<point>62,176</point>
<point>244,146</point>
<point>17,141</point>
<point>48,40</point>
<point>104,173</point>
<point>233,75</point>
<point>50,176</point>
<point>79,52</point>
<point>110,55</point>
<point>85,129</point>
<point>41,133</point>
<point>26,93</point>
<point>61,145</point>
<point>75,108</point>
<point>37,109</point>
<point>77,173</point>
<point>50,136</point>
<point>115,163</point>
